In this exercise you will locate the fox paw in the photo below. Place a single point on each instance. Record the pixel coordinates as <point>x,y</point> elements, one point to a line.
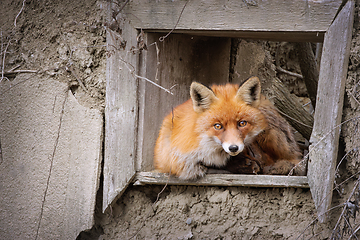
<point>281,167</point>
<point>299,169</point>
<point>243,164</point>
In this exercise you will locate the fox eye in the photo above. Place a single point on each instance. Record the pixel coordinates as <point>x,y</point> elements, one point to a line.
<point>242,123</point>
<point>218,126</point>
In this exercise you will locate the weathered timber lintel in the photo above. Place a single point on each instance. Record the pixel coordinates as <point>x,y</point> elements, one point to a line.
<point>259,35</point>
<point>309,20</point>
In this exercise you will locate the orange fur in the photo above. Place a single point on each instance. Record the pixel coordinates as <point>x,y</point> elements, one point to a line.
<point>221,122</point>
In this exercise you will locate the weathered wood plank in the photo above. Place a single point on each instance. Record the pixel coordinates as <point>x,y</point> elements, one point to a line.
<point>257,35</point>
<point>328,112</point>
<point>224,180</point>
<point>120,112</point>
<point>180,60</point>
<point>235,17</point>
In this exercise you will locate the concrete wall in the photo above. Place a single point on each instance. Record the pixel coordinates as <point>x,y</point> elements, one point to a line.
<point>51,153</point>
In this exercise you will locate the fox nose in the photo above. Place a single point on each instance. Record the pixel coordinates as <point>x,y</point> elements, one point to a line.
<point>233,148</point>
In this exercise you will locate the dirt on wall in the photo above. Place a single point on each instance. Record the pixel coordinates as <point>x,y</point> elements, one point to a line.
<point>62,39</point>
<point>210,213</point>
<point>66,40</point>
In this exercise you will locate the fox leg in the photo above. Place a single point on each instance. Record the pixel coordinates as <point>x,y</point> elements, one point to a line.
<point>192,171</point>
<point>250,161</point>
<point>283,167</point>
<point>299,168</point>
<point>280,167</point>
<point>243,163</point>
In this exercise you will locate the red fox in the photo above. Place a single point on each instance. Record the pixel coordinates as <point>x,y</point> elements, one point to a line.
<point>222,122</point>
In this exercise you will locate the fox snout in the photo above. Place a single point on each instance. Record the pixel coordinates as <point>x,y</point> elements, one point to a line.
<point>232,148</point>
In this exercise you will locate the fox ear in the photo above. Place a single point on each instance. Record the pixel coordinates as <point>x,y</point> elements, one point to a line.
<point>202,96</point>
<point>249,92</point>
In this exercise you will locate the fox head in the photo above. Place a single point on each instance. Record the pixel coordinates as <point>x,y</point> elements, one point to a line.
<point>228,115</point>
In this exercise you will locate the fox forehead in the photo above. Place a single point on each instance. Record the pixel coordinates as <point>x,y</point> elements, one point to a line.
<point>227,109</point>
<point>225,92</point>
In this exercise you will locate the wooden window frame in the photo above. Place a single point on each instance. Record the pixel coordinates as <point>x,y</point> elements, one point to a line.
<point>329,22</point>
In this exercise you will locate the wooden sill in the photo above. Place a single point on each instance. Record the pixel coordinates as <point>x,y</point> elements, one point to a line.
<point>143,178</point>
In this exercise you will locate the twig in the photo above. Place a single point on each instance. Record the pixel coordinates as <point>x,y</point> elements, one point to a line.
<point>22,81</point>
<point>312,222</point>
<point>7,73</point>
<point>161,39</point>
<point>11,70</point>
<point>328,133</point>
<point>132,71</point>
<point>316,234</point>
<point>354,98</point>
<point>157,60</point>
<point>316,219</point>
<point>306,103</point>
<point>345,207</point>
<point>277,64</point>
<point>157,85</point>
<point>289,73</point>
<point>131,68</point>
<point>337,173</point>
<point>353,233</point>
<point>115,13</point>
<point>348,223</point>
<point>3,62</point>
<point>124,5</point>
<point>337,186</point>
<point>23,5</point>
<point>342,159</point>
<point>322,139</point>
